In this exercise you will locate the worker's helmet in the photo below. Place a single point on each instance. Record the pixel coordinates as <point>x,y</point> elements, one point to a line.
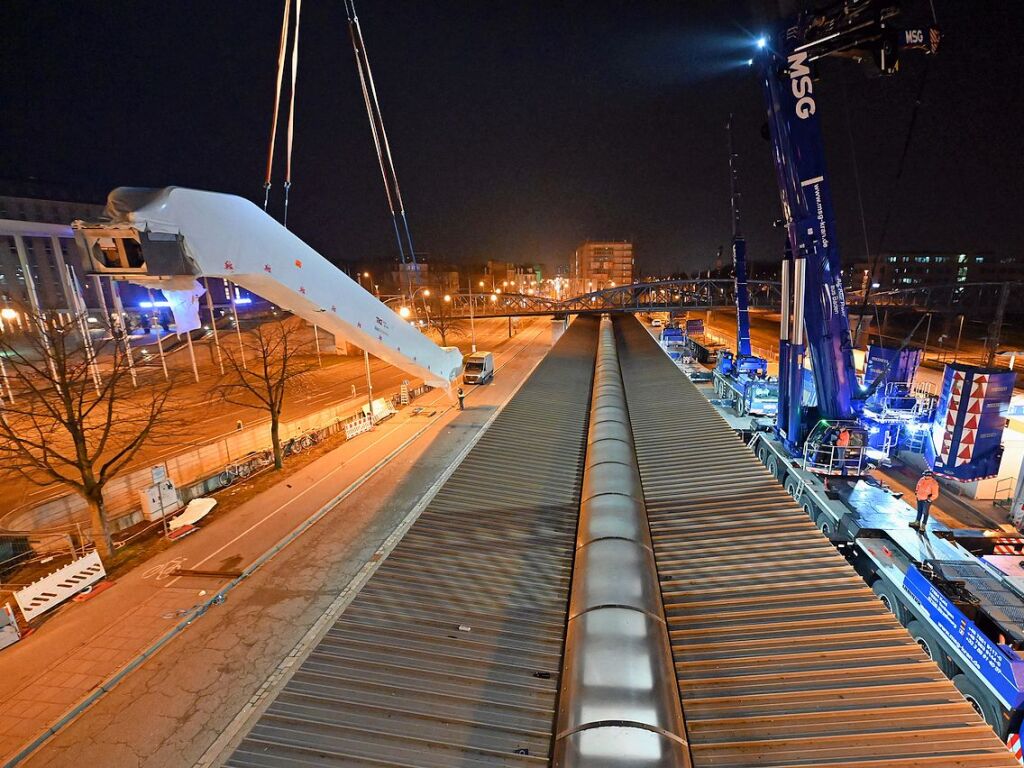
<point>928,473</point>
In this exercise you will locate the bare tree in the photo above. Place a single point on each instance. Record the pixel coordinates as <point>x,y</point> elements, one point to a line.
<point>72,415</point>
<point>274,357</point>
<point>442,321</point>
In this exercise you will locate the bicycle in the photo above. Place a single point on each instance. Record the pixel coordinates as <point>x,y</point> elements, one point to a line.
<point>246,466</point>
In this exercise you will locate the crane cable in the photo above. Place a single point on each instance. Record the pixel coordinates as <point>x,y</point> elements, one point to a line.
<point>896,183</point>
<point>380,136</point>
<point>384,136</point>
<point>356,35</point>
<point>282,50</point>
<point>291,111</point>
<point>899,174</point>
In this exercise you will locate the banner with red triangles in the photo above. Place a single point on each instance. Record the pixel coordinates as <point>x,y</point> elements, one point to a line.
<point>967,429</point>
<point>973,407</point>
<point>952,415</point>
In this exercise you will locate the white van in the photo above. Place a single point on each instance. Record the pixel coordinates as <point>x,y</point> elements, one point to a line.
<point>479,368</point>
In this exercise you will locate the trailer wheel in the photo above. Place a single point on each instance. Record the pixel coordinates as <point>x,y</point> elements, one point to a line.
<point>824,523</point>
<point>791,486</point>
<point>810,510</point>
<point>775,469</point>
<point>888,597</point>
<point>762,453</point>
<point>932,648</point>
<point>989,710</point>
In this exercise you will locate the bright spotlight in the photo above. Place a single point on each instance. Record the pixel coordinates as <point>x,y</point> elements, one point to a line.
<point>404,311</point>
<point>750,62</point>
<point>762,42</point>
<point>8,314</point>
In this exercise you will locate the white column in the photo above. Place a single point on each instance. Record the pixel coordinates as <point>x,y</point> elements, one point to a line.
<point>33,302</point>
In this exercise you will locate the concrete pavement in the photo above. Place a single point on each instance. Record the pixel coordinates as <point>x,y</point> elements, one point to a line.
<point>188,693</point>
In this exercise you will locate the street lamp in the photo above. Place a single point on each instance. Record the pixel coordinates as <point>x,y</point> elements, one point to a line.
<point>8,313</point>
<point>494,298</point>
<point>447,299</point>
<point>426,293</point>
<point>404,312</point>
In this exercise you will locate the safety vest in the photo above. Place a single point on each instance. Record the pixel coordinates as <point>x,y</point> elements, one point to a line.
<point>927,489</point>
<point>843,439</point>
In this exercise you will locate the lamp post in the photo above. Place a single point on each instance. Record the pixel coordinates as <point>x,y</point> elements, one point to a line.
<point>960,333</point>
<point>8,315</point>
<point>472,325</point>
<point>370,286</point>
<point>426,293</point>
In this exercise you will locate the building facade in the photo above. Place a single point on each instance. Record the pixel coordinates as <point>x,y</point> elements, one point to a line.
<point>38,256</point>
<point>597,265</point>
<point>909,269</point>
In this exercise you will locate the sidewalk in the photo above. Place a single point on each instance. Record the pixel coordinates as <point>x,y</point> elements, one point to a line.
<point>48,673</point>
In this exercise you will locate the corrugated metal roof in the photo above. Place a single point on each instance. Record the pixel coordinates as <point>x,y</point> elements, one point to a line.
<point>783,655</point>
<point>398,680</point>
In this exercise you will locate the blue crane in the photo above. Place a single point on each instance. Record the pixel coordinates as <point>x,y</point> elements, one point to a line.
<point>956,591</point>
<point>814,317</point>
<point>740,375</point>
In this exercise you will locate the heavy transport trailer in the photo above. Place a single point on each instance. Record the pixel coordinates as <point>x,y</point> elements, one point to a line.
<point>961,602</point>
<point>749,395</point>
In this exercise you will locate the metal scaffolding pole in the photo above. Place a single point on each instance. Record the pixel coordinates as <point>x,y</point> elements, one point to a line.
<point>6,382</point>
<point>369,384</point>
<point>78,307</point>
<point>213,325</point>
<point>122,329</point>
<point>159,341</point>
<point>33,302</point>
<point>238,327</point>
<point>192,354</point>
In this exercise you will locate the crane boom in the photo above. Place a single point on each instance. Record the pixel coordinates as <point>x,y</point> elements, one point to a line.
<point>165,238</point>
<point>812,271</point>
<point>739,258</point>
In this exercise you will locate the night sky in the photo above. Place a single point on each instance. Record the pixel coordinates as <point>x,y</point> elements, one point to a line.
<point>518,128</point>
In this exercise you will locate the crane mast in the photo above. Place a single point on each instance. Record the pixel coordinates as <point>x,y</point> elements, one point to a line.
<point>739,261</point>
<point>815,320</point>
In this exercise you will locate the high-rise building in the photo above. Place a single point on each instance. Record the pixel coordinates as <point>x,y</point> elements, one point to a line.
<point>600,264</point>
